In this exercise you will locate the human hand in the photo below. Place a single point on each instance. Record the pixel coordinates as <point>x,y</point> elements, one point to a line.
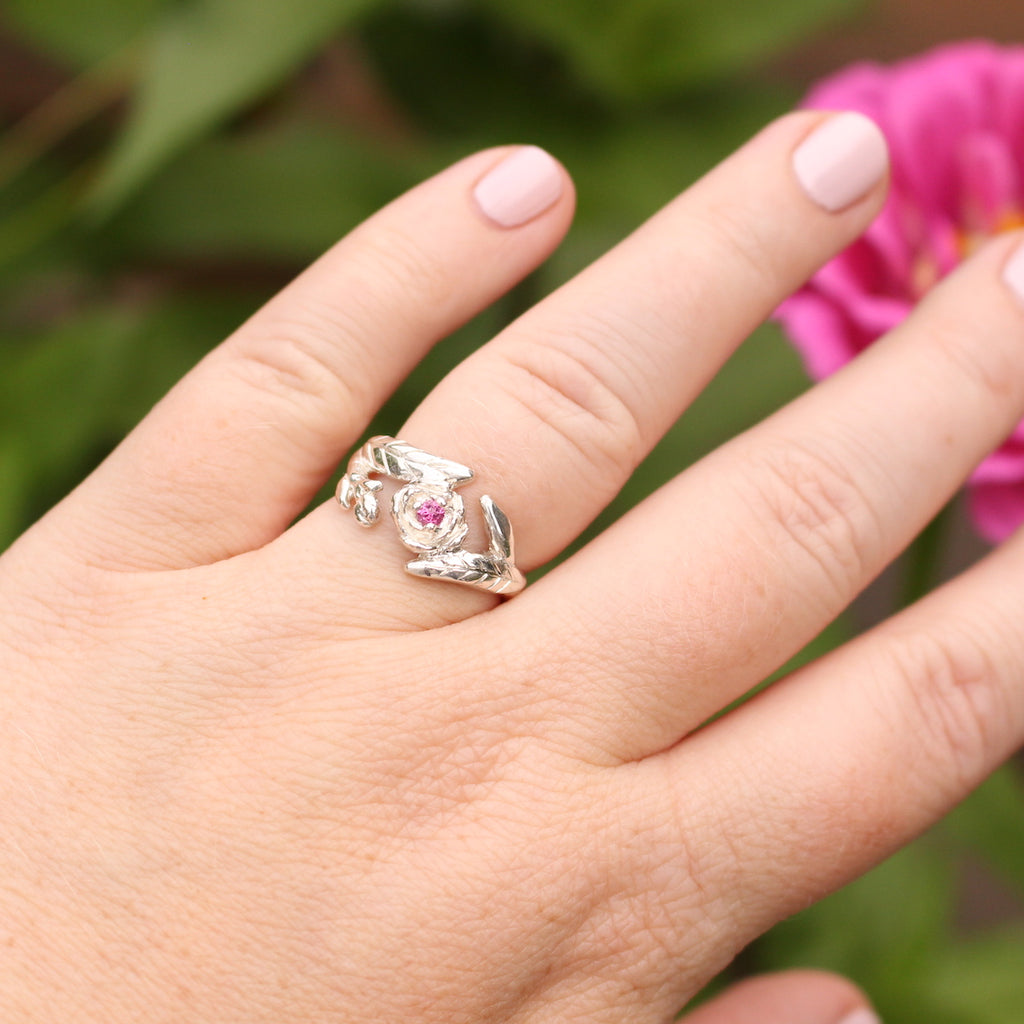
<point>255,772</point>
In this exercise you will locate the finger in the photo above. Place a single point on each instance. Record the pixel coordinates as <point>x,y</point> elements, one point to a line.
<point>817,779</point>
<point>795,997</point>
<point>242,444</point>
<point>737,564</point>
<point>557,411</point>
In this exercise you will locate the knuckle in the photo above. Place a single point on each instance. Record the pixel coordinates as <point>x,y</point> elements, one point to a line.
<point>954,689</point>
<point>313,344</point>
<point>667,888</point>
<point>566,384</point>
<point>295,357</point>
<point>741,235</point>
<point>390,263</point>
<point>817,506</point>
<point>989,365</point>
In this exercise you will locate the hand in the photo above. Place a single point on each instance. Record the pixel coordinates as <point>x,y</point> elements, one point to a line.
<point>256,772</point>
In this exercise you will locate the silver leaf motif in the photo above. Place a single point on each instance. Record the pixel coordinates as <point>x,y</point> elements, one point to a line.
<point>430,516</point>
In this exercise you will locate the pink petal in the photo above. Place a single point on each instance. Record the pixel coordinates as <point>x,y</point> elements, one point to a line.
<point>820,332</point>
<point>860,87</point>
<point>997,510</point>
<point>989,182</point>
<point>1008,104</point>
<point>891,247</point>
<point>945,243</point>
<point>926,117</point>
<point>954,119</point>
<point>1003,466</point>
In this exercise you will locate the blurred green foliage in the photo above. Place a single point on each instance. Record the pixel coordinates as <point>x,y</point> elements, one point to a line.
<point>181,159</point>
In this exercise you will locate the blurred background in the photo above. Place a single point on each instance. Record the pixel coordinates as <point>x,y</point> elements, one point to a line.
<point>165,166</point>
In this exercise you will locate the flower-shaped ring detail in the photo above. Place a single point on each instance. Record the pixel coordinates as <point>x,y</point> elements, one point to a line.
<point>430,515</point>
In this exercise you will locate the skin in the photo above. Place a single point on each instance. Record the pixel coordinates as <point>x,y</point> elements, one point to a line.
<point>254,772</point>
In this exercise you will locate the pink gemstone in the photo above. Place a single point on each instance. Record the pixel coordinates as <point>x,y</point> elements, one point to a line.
<point>430,512</point>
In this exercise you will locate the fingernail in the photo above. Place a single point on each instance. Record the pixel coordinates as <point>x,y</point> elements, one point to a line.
<point>1013,274</point>
<point>861,1016</point>
<point>520,187</point>
<point>841,161</point>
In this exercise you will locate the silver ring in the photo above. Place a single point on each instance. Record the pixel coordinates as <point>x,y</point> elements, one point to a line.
<point>430,516</point>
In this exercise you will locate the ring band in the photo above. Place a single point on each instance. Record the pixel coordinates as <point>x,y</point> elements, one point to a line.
<point>430,515</point>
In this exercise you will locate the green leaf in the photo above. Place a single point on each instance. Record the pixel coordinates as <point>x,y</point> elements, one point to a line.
<point>761,376</point>
<point>991,822</point>
<point>13,472</point>
<point>285,193</point>
<point>209,58</point>
<point>883,931</point>
<point>82,32</point>
<point>36,209</point>
<point>289,189</point>
<point>979,982</point>
<point>68,394</point>
<point>497,79</point>
<point>647,47</point>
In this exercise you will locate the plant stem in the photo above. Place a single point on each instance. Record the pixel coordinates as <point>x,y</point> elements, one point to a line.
<point>68,109</point>
<point>40,219</point>
<point>922,561</point>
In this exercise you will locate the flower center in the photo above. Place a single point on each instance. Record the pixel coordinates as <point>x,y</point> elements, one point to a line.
<point>430,512</point>
<point>970,241</point>
<point>928,269</point>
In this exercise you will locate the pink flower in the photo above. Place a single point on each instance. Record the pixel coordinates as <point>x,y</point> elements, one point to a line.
<point>954,120</point>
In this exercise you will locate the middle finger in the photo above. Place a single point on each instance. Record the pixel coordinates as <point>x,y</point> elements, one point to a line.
<point>557,411</point>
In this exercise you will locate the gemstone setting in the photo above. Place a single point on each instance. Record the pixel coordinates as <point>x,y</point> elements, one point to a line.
<point>430,512</point>
<point>429,518</point>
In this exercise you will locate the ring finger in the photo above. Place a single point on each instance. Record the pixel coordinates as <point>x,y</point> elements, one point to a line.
<point>557,411</point>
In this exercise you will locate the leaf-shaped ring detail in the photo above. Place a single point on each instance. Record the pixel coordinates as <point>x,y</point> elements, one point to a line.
<point>430,516</point>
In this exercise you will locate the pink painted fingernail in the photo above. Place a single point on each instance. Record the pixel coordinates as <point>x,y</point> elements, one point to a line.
<point>520,187</point>
<point>1013,274</point>
<point>861,1016</point>
<point>842,160</point>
